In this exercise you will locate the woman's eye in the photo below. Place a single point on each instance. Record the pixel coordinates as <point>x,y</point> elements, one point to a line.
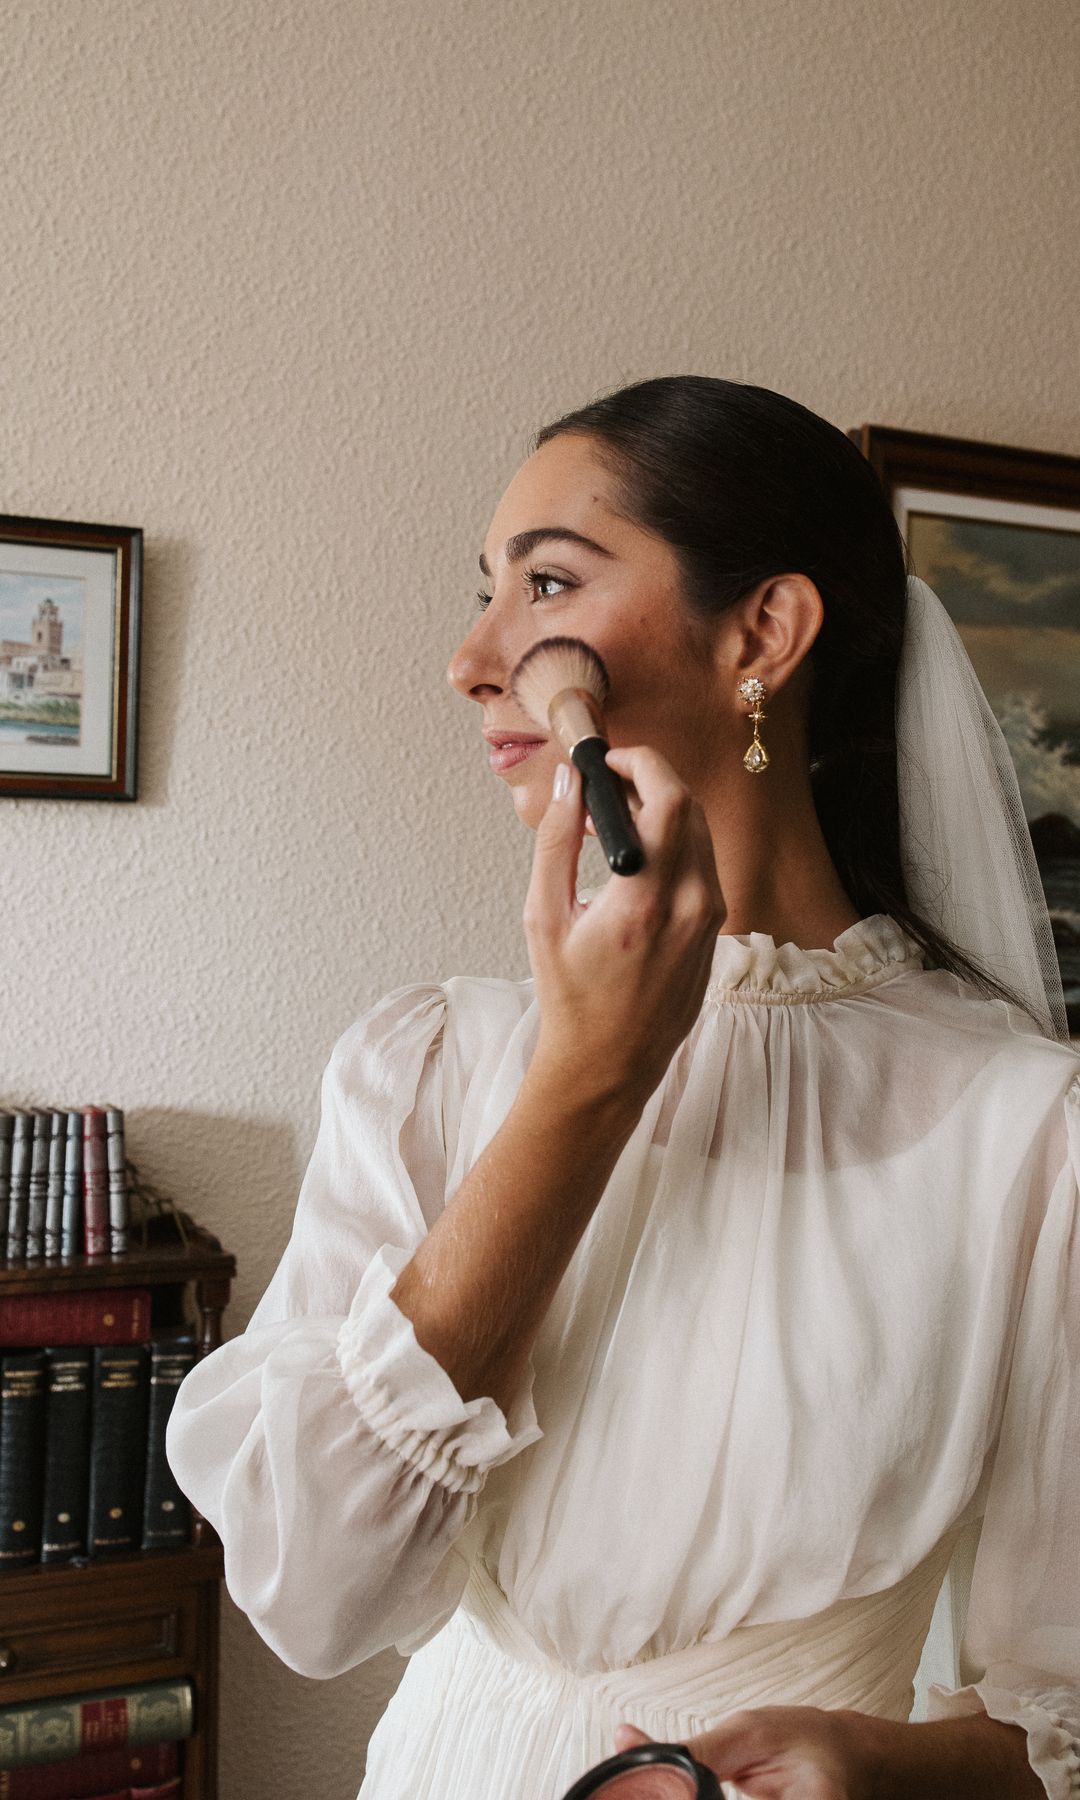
<point>536,578</point>
<point>532,578</point>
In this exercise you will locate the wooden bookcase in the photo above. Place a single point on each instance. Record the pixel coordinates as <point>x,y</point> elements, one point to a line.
<point>152,1615</point>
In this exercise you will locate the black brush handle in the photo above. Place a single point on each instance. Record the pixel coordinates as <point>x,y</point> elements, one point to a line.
<point>605,802</point>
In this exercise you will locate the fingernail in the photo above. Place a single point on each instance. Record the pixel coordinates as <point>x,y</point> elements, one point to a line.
<point>561,782</point>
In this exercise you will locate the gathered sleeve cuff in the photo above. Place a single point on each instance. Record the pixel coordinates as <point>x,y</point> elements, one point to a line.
<point>332,1454</point>
<point>409,1401</point>
<point>1047,1715</point>
<point>1019,1657</point>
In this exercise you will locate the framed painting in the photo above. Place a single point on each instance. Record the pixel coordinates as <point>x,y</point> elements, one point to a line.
<point>995,530</point>
<point>69,659</point>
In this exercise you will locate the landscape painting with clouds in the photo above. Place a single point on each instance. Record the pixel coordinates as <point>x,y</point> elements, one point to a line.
<point>1013,592</point>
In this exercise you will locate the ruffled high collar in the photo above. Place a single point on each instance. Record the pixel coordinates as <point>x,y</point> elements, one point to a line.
<point>752,966</point>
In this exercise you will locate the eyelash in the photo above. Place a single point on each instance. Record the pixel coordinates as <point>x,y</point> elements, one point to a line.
<point>529,577</point>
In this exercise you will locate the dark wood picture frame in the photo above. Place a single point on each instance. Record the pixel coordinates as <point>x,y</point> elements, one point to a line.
<point>123,543</point>
<point>955,501</point>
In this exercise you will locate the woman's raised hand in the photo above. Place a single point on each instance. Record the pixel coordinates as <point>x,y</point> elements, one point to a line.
<point>620,982</point>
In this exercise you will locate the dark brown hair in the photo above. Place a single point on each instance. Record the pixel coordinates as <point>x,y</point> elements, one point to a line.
<point>744,484</point>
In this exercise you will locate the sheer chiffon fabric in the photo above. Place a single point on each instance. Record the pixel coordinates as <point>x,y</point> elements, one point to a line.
<point>826,1314</point>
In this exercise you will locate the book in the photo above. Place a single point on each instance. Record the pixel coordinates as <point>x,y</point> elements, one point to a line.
<point>54,1198</point>
<point>7,1128</point>
<point>19,1191</point>
<point>22,1448</point>
<point>117,1167</point>
<point>93,1772</point>
<point>166,1511</point>
<point>40,1147</point>
<point>85,1316</point>
<point>43,1731</point>
<point>117,1448</point>
<point>71,1218</point>
<point>95,1183</point>
<point>67,1453</point>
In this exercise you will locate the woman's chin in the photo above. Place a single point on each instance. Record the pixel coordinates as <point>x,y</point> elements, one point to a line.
<point>529,804</point>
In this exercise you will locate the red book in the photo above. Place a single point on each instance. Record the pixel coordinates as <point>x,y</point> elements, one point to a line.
<point>102,1316</point>
<point>95,1182</point>
<point>83,1777</point>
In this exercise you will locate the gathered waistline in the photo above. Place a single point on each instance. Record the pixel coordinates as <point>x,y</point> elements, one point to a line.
<point>861,1653</point>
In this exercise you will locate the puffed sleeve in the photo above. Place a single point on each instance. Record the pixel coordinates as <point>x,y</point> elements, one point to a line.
<point>1020,1652</point>
<point>333,1455</point>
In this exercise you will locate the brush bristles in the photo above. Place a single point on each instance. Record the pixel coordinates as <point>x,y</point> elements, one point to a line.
<point>550,666</point>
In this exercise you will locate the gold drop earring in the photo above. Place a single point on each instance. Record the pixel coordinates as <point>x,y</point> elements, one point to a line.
<point>753,691</point>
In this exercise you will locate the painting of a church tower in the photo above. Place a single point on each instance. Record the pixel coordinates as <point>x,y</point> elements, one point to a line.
<point>41,659</point>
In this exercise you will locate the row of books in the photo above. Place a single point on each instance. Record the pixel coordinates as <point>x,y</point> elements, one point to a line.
<point>63,1183</point>
<point>83,1472</point>
<point>116,1744</point>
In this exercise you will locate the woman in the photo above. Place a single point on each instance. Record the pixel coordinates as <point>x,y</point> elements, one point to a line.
<point>651,1330</point>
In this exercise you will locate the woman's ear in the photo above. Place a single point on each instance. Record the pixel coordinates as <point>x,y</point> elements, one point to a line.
<point>772,629</point>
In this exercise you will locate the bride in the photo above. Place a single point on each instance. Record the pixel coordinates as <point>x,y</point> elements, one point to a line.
<point>651,1330</point>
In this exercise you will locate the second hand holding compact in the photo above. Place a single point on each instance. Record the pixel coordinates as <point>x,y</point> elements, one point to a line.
<point>562,683</point>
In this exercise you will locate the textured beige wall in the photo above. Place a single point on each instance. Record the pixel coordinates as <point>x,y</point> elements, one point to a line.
<point>289,285</point>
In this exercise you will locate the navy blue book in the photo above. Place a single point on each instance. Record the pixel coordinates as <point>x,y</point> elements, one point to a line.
<point>67,1452</point>
<point>117,1448</point>
<point>22,1449</point>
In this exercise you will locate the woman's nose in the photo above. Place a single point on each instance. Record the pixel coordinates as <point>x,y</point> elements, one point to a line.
<point>480,665</point>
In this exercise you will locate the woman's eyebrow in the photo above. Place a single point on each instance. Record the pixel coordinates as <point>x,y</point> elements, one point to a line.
<point>526,541</point>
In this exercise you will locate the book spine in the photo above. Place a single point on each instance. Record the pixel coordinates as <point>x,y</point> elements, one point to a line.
<point>117,1449</point>
<point>67,1453</point>
<point>21,1143</point>
<point>40,1147</point>
<point>71,1219</point>
<point>22,1448</point>
<point>43,1731</point>
<point>89,1316</point>
<point>54,1199</point>
<point>95,1183</point>
<point>93,1772</point>
<point>7,1130</point>
<point>166,1511</point>
<point>118,1194</point>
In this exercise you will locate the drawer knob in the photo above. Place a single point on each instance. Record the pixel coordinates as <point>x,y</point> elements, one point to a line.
<point>8,1659</point>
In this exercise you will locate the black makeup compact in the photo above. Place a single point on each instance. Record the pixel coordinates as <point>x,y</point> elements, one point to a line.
<point>648,1772</point>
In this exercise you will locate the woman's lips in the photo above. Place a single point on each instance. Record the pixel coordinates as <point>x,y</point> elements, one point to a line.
<point>501,759</point>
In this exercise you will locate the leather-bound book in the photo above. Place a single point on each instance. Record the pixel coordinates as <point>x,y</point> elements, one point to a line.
<point>40,1148</point>
<point>166,1511</point>
<point>143,1769</point>
<point>67,1453</point>
<point>71,1219</point>
<point>84,1316</point>
<point>22,1449</point>
<point>95,1183</point>
<point>7,1130</point>
<point>117,1448</point>
<point>19,1197</point>
<point>118,1194</point>
<point>54,1199</point>
<point>43,1731</point>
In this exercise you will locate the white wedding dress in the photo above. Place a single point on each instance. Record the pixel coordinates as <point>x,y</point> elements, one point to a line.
<point>826,1315</point>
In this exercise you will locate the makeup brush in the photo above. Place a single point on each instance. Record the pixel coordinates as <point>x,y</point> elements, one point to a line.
<point>562,683</point>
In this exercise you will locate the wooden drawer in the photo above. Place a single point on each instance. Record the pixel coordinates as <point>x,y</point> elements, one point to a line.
<point>78,1641</point>
<point>112,1624</point>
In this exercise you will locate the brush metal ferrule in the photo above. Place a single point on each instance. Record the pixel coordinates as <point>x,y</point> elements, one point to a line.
<point>574,714</point>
